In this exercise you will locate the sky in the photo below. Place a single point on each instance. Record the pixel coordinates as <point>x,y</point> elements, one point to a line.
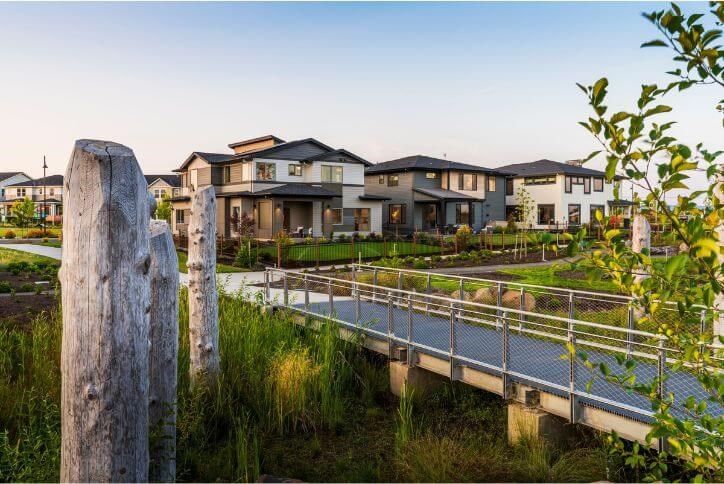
<point>483,83</point>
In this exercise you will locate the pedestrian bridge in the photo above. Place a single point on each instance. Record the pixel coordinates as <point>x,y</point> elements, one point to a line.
<point>507,338</point>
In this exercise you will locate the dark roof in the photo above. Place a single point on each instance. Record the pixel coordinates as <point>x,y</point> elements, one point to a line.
<point>256,140</point>
<point>267,150</point>
<point>210,158</point>
<point>173,180</point>
<point>295,190</point>
<point>549,167</point>
<point>443,194</point>
<point>52,180</point>
<point>373,197</point>
<point>181,198</point>
<point>342,152</point>
<point>8,174</point>
<point>427,163</point>
<point>621,203</point>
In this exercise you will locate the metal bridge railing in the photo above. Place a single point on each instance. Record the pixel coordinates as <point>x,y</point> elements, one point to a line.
<point>516,344</point>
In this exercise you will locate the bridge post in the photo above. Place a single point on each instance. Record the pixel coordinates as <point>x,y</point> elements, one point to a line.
<point>331,297</point>
<point>505,357</point>
<point>357,309</point>
<point>374,283</point>
<point>461,290</point>
<point>409,330</point>
<point>500,303</point>
<point>661,390</point>
<point>522,308</point>
<point>453,318</point>
<point>306,292</point>
<point>428,289</point>
<point>572,400</point>
<point>267,291</point>
<point>629,334</point>
<point>286,291</point>
<point>389,322</point>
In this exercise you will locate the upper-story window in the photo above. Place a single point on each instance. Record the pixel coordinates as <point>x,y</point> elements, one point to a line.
<point>158,192</point>
<point>539,180</point>
<point>491,183</point>
<point>332,174</point>
<point>266,171</point>
<point>393,180</point>
<point>295,170</point>
<point>176,192</point>
<point>20,192</point>
<point>52,192</point>
<point>381,179</point>
<point>227,174</point>
<point>431,175</point>
<point>598,184</point>
<point>468,181</point>
<point>509,187</point>
<point>578,180</point>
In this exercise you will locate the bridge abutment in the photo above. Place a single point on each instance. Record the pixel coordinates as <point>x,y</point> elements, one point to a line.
<point>532,422</point>
<point>414,378</point>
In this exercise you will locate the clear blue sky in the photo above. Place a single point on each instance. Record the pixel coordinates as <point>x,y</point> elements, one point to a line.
<point>486,83</point>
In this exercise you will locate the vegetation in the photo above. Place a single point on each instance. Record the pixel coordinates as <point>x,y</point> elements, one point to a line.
<point>220,268</point>
<point>164,209</point>
<point>23,212</point>
<point>10,257</point>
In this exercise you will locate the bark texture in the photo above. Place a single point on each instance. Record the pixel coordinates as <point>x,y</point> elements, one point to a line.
<point>640,238</point>
<point>105,282</point>
<point>164,353</point>
<point>719,301</point>
<point>203,298</point>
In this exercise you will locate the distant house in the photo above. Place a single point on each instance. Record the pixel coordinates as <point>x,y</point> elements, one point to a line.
<point>563,194</point>
<point>300,187</point>
<point>427,193</point>
<point>47,193</point>
<point>164,186</point>
<point>9,178</point>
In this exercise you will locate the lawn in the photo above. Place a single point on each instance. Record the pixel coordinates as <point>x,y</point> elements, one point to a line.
<point>19,232</point>
<point>343,251</point>
<point>220,268</point>
<point>9,255</point>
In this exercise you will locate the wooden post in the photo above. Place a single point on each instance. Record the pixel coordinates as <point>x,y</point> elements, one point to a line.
<point>203,299</point>
<point>640,238</point>
<point>352,249</point>
<point>163,359</point>
<point>279,253</point>
<point>718,323</point>
<point>106,303</point>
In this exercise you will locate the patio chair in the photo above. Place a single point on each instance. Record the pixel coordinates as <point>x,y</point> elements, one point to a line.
<point>298,233</point>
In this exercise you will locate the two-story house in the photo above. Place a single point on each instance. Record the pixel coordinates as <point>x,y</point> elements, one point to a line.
<point>562,194</point>
<point>9,178</point>
<point>161,186</point>
<point>47,193</point>
<point>282,185</point>
<point>428,193</point>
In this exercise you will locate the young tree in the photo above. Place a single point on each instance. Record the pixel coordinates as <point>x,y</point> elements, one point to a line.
<point>24,212</point>
<point>164,209</point>
<point>525,210</point>
<point>636,144</point>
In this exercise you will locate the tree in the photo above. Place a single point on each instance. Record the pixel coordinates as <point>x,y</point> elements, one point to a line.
<point>641,147</point>
<point>525,211</point>
<point>24,212</point>
<point>164,209</point>
<point>242,225</point>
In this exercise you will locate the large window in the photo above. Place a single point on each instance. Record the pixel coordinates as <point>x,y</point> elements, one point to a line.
<point>511,211</point>
<point>20,192</point>
<point>462,213</point>
<point>381,180</point>
<point>393,180</point>
<point>491,183</point>
<point>509,187</point>
<point>179,216</point>
<point>468,181</point>
<point>335,216</point>
<point>546,214</point>
<point>398,215</point>
<point>266,171</point>
<point>431,175</point>
<point>331,174</point>
<point>227,174</point>
<point>578,180</point>
<point>598,184</point>
<point>158,192</point>
<point>574,214</point>
<point>295,169</point>
<point>539,180</point>
<point>361,219</point>
<point>599,208</point>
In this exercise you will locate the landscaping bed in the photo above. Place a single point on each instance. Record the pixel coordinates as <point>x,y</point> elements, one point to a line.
<point>19,311</point>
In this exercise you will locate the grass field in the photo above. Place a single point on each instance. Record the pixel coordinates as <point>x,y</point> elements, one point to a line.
<point>306,253</point>
<point>220,268</point>
<point>9,255</point>
<point>19,232</point>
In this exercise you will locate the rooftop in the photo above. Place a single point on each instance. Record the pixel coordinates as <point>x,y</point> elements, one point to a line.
<point>427,163</point>
<point>172,180</point>
<point>51,181</point>
<point>549,167</point>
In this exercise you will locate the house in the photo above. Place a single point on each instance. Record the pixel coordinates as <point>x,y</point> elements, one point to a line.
<point>46,192</point>
<point>562,194</point>
<point>164,186</point>
<point>428,193</point>
<point>282,185</point>
<point>9,178</point>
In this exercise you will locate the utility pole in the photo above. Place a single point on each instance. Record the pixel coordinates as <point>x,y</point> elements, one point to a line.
<point>44,213</point>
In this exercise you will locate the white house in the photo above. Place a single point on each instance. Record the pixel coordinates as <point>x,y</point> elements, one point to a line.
<point>562,194</point>
<point>282,186</point>
<point>47,193</point>
<point>164,186</point>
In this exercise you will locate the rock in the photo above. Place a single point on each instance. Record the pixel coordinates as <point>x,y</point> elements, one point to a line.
<point>511,299</point>
<point>486,295</point>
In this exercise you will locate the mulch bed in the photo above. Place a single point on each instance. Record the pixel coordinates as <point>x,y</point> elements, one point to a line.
<point>19,311</point>
<point>500,259</point>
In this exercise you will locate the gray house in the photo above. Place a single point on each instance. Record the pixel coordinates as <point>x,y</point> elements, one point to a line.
<point>430,193</point>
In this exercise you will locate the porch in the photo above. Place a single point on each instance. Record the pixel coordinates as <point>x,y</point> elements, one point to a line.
<point>444,210</point>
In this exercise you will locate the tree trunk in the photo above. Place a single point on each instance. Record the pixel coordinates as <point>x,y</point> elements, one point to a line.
<point>719,301</point>
<point>105,299</point>
<point>164,353</point>
<point>203,299</point>
<point>640,239</point>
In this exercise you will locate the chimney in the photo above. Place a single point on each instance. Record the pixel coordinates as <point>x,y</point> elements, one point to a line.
<point>574,163</point>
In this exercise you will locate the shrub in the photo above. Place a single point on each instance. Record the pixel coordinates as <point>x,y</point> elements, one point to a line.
<point>5,287</point>
<point>20,266</point>
<point>512,226</point>
<point>9,234</point>
<point>27,287</point>
<point>463,256</point>
<point>283,238</point>
<point>372,237</point>
<point>435,258</point>
<point>45,240</point>
<point>244,256</point>
<point>35,234</point>
<point>409,260</point>
<point>342,238</point>
<point>420,264</point>
<point>463,236</point>
<point>309,240</point>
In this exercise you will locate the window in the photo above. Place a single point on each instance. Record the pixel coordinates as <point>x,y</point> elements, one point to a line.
<point>539,180</point>
<point>381,179</point>
<point>179,216</point>
<point>331,174</point>
<point>587,185</point>
<point>393,180</point>
<point>509,190</point>
<point>20,192</point>
<point>546,214</point>
<point>574,214</point>
<point>158,192</point>
<point>578,180</point>
<point>295,170</point>
<point>52,192</point>
<point>511,211</point>
<point>176,192</point>
<point>361,219</point>
<point>335,216</point>
<point>227,174</point>
<point>40,191</point>
<point>491,183</point>
<point>431,175</point>
<point>594,209</point>
<point>468,181</point>
<point>397,213</point>
<point>266,171</point>
<point>598,184</point>
<point>462,213</point>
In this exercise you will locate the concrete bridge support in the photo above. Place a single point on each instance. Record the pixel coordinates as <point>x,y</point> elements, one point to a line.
<point>532,422</point>
<point>414,378</point>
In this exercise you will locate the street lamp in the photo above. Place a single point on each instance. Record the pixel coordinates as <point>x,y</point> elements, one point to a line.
<point>44,213</point>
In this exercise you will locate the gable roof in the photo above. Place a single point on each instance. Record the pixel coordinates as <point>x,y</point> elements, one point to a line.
<point>428,163</point>
<point>51,181</point>
<point>339,152</point>
<point>173,180</point>
<point>268,150</point>
<point>210,158</point>
<point>256,140</point>
<point>550,167</point>
<point>9,174</point>
<point>443,194</point>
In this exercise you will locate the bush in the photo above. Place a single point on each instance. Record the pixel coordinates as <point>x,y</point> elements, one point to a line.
<point>342,238</point>
<point>27,287</point>
<point>9,234</point>
<point>512,227</point>
<point>463,236</point>
<point>21,266</point>
<point>409,260</point>
<point>5,287</point>
<point>463,256</point>
<point>424,238</point>
<point>35,234</point>
<point>244,256</point>
<point>420,264</point>
<point>435,258</point>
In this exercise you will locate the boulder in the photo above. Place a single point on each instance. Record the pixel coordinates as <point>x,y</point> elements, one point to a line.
<point>511,299</point>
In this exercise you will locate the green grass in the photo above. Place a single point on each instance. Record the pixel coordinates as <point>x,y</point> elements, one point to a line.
<point>555,276</point>
<point>10,255</point>
<point>19,231</point>
<point>51,243</point>
<point>343,251</point>
<point>220,268</point>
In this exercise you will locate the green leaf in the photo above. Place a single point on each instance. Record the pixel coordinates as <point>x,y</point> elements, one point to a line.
<point>674,264</point>
<point>657,110</point>
<point>655,43</point>
<point>599,89</point>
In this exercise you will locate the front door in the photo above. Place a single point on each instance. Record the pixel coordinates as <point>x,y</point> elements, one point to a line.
<point>429,216</point>
<point>264,224</point>
<point>287,219</point>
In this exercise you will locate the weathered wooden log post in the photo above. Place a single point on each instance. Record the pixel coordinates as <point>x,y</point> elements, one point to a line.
<point>164,353</point>
<point>718,329</point>
<point>203,298</point>
<point>105,297</point>
<point>640,240</point>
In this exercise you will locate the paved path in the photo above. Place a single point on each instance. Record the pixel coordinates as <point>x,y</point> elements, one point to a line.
<point>52,252</point>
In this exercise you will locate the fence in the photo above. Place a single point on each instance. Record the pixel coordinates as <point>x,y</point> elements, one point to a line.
<point>513,344</point>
